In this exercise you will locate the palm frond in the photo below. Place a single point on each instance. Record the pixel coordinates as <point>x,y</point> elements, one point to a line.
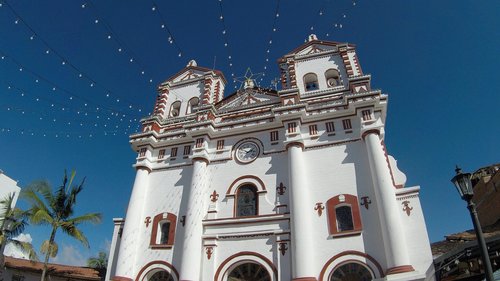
<point>26,248</point>
<point>40,216</point>
<point>94,218</point>
<point>32,194</point>
<point>71,229</point>
<point>17,227</point>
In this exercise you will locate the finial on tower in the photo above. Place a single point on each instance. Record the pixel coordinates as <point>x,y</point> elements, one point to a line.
<point>312,37</point>
<point>192,63</point>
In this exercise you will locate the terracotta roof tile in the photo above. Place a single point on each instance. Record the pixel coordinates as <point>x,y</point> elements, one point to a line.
<point>83,273</point>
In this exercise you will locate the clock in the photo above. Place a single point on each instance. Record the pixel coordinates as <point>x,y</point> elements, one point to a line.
<point>247,152</point>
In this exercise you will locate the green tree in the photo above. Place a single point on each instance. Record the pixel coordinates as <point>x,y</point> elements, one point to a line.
<point>12,223</point>
<point>56,209</point>
<point>99,263</point>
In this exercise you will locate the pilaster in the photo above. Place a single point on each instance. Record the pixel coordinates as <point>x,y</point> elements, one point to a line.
<point>191,250</point>
<point>393,235</point>
<point>301,237</point>
<point>126,262</point>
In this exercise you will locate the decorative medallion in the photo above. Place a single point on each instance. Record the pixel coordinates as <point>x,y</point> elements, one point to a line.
<point>281,189</point>
<point>247,152</point>
<point>406,207</point>
<point>209,251</point>
<point>319,207</point>
<point>366,202</point>
<point>147,221</point>
<point>214,196</point>
<point>282,248</point>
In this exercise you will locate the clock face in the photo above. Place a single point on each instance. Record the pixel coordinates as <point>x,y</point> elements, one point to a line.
<point>247,152</point>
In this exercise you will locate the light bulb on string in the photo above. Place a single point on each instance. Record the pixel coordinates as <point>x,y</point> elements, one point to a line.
<point>83,5</point>
<point>96,21</point>
<point>32,37</point>
<point>162,26</point>
<point>16,21</point>
<point>47,52</point>
<point>109,36</point>
<point>153,8</point>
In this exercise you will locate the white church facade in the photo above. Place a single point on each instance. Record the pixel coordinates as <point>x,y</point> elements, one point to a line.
<point>291,184</point>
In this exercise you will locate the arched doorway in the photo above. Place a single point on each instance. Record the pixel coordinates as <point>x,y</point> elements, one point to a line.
<point>161,276</point>
<point>351,272</point>
<point>249,272</point>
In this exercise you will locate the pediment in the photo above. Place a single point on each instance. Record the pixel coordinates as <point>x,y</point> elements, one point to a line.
<point>248,97</point>
<point>315,48</point>
<point>188,74</point>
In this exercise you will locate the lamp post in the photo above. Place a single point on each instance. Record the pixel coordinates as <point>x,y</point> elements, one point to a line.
<point>464,186</point>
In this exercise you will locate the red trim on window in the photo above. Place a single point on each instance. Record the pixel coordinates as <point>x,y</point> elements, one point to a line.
<point>266,260</point>
<point>172,268</point>
<point>172,219</point>
<point>352,202</point>
<point>352,253</point>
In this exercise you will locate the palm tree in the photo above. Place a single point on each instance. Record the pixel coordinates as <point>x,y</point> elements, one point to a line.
<point>12,223</point>
<point>99,263</point>
<point>57,211</point>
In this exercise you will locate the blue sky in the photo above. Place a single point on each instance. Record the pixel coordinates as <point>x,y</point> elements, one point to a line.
<point>437,61</point>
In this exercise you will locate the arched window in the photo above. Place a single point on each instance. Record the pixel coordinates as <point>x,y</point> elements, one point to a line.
<point>351,272</point>
<point>248,272</point>
<point>311,82</point>
<point>175,109</point>
<point>161,276</point>
<point>332,78</point>
<point>247,201</point>
<point>193,102</point>
<point>163,231</point>
<point>344,218</point>
<point>343,215</point>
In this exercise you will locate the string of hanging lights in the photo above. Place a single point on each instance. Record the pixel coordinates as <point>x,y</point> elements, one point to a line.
<point>321,11</point>
<point>92,83</point>
<point>225,37</point>
<point>171,40</point>
<point>83,116</point>
<point>62,134</point>
<point>59,89</point>
<point>274,29</point>
<point>120,45</point>
<point>341,19</point>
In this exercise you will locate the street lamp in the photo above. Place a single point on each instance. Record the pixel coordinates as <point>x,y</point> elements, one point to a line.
<point>464,186</point>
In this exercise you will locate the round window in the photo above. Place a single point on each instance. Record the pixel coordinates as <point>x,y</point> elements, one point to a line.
<point>351,272</point>
<point>249,272</point>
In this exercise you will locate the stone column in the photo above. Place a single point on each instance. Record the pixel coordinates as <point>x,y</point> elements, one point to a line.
<point>126,263</point>
<point>301,212</point>
<point>393,234</point>
<point>191,251</point>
